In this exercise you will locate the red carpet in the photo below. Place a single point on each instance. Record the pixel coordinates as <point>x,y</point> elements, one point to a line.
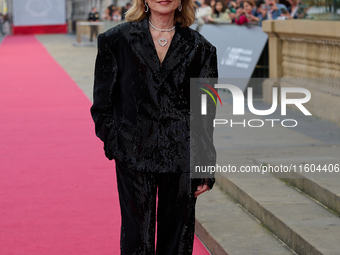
<point>58,193</point>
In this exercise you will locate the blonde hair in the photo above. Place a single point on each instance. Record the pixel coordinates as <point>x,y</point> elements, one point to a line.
<point>186,17</point>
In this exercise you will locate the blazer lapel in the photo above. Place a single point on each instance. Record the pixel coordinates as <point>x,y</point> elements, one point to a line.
<point>181,44</point>
<point>142,44</point>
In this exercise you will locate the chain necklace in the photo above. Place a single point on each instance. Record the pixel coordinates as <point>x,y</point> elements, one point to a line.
<point>162,41</point>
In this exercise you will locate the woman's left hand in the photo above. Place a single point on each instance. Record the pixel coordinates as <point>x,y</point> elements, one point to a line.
<point>201,189</point>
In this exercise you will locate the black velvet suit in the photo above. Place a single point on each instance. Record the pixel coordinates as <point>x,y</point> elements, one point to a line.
<point>141,112</point>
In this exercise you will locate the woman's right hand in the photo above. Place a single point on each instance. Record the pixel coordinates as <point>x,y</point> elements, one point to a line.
<point>201,189</point>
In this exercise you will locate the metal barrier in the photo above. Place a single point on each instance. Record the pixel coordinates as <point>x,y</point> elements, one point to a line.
<point>239,49</point>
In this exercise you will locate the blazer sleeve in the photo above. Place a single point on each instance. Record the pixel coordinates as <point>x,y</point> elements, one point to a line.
<point>210,71</point>
<point>105,76</point>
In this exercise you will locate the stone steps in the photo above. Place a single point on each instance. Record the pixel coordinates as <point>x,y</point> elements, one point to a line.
<point>313,178</point>
<point>303,224</point>
<point>301,209</point>
<point>225,227</point>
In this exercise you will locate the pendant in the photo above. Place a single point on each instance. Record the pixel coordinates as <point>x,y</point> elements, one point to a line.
<point>162,41</point>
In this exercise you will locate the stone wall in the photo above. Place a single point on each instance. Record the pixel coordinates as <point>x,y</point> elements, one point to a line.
<point>306,49</point>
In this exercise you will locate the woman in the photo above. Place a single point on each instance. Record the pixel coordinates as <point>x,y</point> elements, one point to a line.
<point>204,11</point>
<point>108,12</point>
<point>221,14</point>
<point>250,11</point>
<point>246,14</point>
<point>141,112</point>
<point>116,15</point>
<point>240,17</point>
<point>212,4</point>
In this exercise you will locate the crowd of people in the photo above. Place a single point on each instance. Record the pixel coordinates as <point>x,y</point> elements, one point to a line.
<point>231,11</point>
<point>248,11</point>
<point>116,13</point>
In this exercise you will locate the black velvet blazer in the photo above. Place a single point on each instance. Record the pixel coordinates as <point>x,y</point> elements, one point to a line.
<point>141,108</point>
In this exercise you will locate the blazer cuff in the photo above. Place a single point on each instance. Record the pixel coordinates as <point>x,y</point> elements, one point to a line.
<point>208,181</point>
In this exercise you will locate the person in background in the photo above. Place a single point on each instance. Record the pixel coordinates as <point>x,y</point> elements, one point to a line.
<point>240,17</point>
<point>221,13</point>
<point>239,3</point>
<point>203,12</point>
<point>250,11</point>
<point>273,11</point>
<point>259,4</point>
<point>197,4</point>
<point>212,5</point>
<point>125,9</point>
<point>116,15</point>
<point>231,7</point>
<point>285,2</point>
<point>93,17</point>
<point>1,22</point>
<point>296,10</point>
<point>108,12</point>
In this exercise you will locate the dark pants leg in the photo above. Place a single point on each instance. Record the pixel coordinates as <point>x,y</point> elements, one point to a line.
<point>137,197</point>
<point>175,212</point>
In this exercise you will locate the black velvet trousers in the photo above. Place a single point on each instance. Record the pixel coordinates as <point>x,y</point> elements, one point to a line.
<point>175,212</point>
